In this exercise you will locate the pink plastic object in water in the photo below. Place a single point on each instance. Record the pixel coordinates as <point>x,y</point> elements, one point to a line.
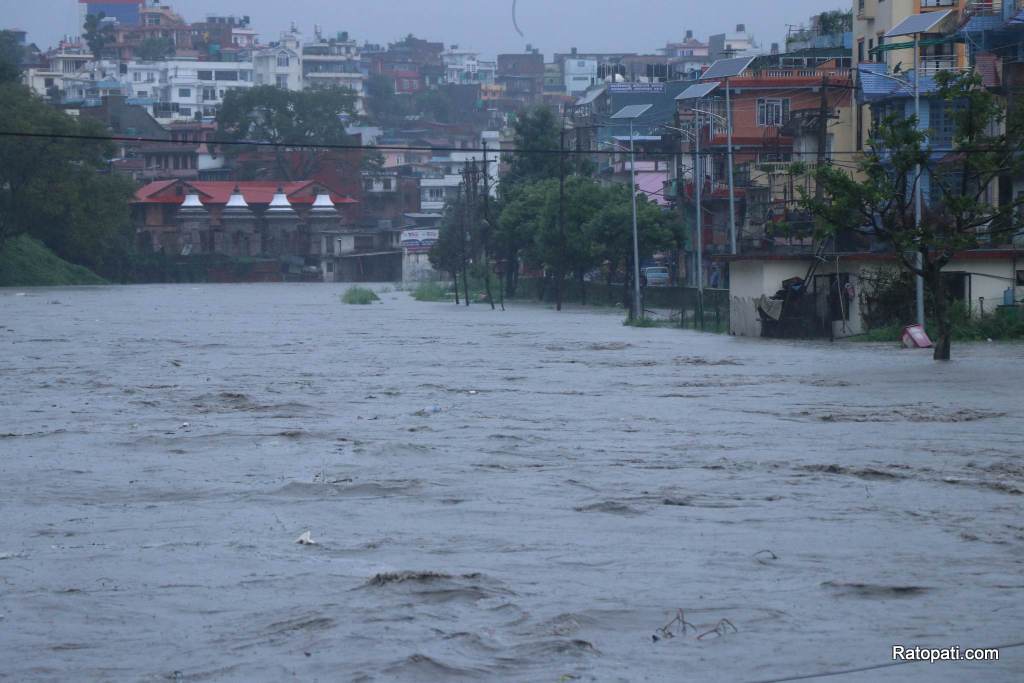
<point>914,337</point>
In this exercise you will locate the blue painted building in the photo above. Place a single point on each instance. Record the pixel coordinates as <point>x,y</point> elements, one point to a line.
<point>126,12</point>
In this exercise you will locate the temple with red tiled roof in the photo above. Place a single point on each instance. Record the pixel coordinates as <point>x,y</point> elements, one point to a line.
<point>304,225</point>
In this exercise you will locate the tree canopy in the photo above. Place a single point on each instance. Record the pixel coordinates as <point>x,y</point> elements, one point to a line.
<point>60,190</point>
<point>98,34</point>
<point>11,54</point>
<point>283,117</point>
<point>155,49</point>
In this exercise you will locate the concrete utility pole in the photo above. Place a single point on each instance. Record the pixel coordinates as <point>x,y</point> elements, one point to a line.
<point>636,241</point>
<point>732,184</point>
<point>698,186</point>
<point>560,268</point>
<point>824,115</point>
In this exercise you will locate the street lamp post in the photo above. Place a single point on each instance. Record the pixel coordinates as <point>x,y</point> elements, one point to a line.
<point>633,112</point>
<point>919,258</point>
<point>915,25</point>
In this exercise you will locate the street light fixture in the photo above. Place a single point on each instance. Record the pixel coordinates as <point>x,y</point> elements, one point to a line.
<point>725,69</point>
<point>632,113</point>
<point>914,26</point>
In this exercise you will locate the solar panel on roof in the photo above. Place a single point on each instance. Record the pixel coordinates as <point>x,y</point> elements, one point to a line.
<point>918,23</point>
<point>696,92</point>
<point>632,111</point>
<point>727,68</point>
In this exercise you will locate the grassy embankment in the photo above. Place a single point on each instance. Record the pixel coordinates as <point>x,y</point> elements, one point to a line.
<point>25,262</point>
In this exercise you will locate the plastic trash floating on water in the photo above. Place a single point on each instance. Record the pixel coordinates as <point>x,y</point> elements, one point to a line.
<point>430,410</point>
<point>306,539</point>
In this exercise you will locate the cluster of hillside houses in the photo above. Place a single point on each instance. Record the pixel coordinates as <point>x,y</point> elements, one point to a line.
<point>810,99</point>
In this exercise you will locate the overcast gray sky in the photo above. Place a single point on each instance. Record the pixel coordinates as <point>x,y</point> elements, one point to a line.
<point>484,25</point>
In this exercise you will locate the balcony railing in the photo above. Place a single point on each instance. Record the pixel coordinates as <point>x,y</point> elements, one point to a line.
<point>933,65</point>
<point>984,8</point>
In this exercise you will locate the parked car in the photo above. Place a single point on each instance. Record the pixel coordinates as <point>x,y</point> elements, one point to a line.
<point>657,276</point>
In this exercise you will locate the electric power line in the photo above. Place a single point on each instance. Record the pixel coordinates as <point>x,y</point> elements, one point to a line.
<point>400,148</point>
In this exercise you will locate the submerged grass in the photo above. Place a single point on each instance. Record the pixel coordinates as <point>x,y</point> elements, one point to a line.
<point>359,296</point>
<point>431,291</point>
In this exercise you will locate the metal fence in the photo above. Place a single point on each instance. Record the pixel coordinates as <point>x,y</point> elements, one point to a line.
<point>681,304</point>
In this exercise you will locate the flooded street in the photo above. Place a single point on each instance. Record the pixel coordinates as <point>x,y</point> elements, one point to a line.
<point>519,496</point>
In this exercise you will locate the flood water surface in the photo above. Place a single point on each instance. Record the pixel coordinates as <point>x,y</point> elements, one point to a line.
<point>521,496</point>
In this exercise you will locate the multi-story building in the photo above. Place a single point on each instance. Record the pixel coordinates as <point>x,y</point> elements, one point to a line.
<point>126,12</point>
<point>738,43</point>
<point>437,191</point>
<point>780,115</point>
<point>334,62</point>
<point>687,58</point>
<point>463,67</point>
<point>280,64</point>
<point>184,89</point>
<point>873,19</point>
<point>522,75</point>
<point>580,75</point>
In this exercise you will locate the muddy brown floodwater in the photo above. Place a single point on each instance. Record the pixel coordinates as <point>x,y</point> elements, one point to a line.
<point>519,496</point>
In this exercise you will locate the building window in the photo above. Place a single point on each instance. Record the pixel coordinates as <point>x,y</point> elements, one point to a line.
<point>330,266</point>
<point>772,113</point>
<point>1020,278</point>
<point>186,112</point>
<point>137,76</point>
<point>142,93</point>
<point>387,185</point>
<point>282,60</point>
<point>205,75</point>
<point>227,75</point>
<point>209,94</point>
<point>184,92</point>
<point>282,81</point>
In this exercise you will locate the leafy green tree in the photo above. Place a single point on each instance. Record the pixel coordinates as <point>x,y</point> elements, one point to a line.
<point>283,117</point>
<point>60,190</point>
<point>962,213</point>
<point>98,34</point>
<point>385,105</point>
<point>155,49</point>
<point>537,133</point>
<point>11,54</point>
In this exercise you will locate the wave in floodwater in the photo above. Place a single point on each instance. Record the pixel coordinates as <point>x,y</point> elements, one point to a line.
<point>518,496</point>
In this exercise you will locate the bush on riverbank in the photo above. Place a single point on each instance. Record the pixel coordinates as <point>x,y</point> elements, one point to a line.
<point>359,296</point>
<point>26,262</point>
